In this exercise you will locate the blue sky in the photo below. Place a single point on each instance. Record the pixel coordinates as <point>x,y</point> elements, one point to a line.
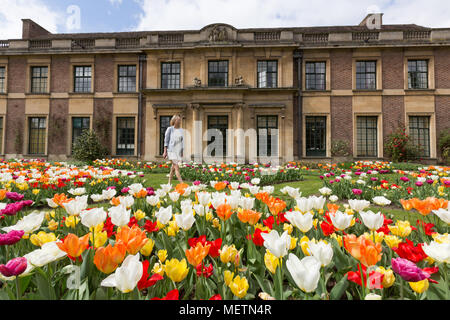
<point>128,15</point>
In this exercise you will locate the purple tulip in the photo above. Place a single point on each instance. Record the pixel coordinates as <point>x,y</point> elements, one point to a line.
<point>14,267</point>
<point>429,181</point>
<point>419,183</point>
<point>14,196</point>
<point>357,191</point>
<point>408,270</point>
<point>11,237</point>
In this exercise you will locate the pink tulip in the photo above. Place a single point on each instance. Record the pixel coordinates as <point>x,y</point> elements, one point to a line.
<point>419,183</point>
<point>14,196</point>
<point>357,191</point>
<point>11,237</point>
<point>408,270</point>
<point>14,267</point>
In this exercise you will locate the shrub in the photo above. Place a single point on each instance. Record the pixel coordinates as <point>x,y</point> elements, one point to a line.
<point>444,145</point>
<point>340,148</point>
<point>400,148</point>
<point>87,147</point>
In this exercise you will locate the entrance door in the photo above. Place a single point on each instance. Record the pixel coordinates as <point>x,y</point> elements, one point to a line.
<point>316,132</point>
<point>219,123</point>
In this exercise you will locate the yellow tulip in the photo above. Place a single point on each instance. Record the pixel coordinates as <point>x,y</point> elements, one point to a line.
<point>72,221</point>
<point>100,238</point>
<point>159,225</point>
<point>216,223</point>
<point>52,225</point>
<point>49,215</point>
<point>420,286</point>
<point>36,191</point>
<point>288,227</point>
<point>228,253</point>
<point>162,255</point>
<point>139,215</point>
<point>389,277</point>
<point>304,243</point>
<point>315,221</point>
<point>401,228</point>
<point>338,238</point>
<point>441,238</point>
<point>176,270</point>
<point>239,287</point>
<point>148,248</point>
<point>158,268</point>
<point>293,243</point>
<point>42,238</point>
<point>209,216</point>
<point>378,236</point>
<point>228,277</point>
<point>392,241</point>
<point>271,261</point>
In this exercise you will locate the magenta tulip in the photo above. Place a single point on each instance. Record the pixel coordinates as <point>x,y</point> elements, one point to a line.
<point>14,196</point>
<point>14,267</point>
<point>11,237</point>
<point>408,270</point>
<point>357,191</point>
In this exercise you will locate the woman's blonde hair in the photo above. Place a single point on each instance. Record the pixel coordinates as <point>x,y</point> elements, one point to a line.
<point>174,119</point>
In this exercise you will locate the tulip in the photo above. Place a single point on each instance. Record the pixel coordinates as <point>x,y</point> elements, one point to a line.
<point>247,203</point>
<point>73,245</point>
<point>392,241</point>
<point>171,295</point>
<point>228,277</point>
<point>388,276</point>
<point>228,253</point>
<point>91,218</point>
<point>358,205</point>
<point>363,249</point>
<point>147,249</point>
<point>249,216</point>
<point>164,215</point>
<point>41,238</point>
<point>304,222</point>
<point>372,296</point>
<point>408,270</point>
<point>239,287</point>
<point>126,276</point>
<point>48,253</point>
<point>133,238</point>
<point>305,204</point>
<point>438,251</point>
<point>373,221</point>
<point>407,250</point>
<point>420,286</point>
<point>75,206</point>
<point>152,200</point>
<point>322,251</point>
<point>224,211</point>
<point>162,255</point>
<point>107,259</point>
<point>195,255</point>
<point>381,201</point>
<point>14,267</point>
<point>277,245</point>
<point>271,261</point>
<point>401,228</point>
<point>340,220</point>
<point>176,270</point>
<point>158,268</point>
<point>28,224</point>
<point>203,198</point>
<point>185,220</point>
<point>305,272</point>
<point>443,214</point>
<point>11,237</point>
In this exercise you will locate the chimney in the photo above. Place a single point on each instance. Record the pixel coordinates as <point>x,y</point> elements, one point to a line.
<point>372,21</point>
<point>31,29</point>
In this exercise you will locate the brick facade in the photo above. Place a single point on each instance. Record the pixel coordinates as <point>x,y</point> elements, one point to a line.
<point>342,120</point>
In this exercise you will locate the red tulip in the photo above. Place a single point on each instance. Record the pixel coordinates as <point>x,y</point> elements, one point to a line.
<point>171,295</point>
<point>407,250</point>
<point>146,282</point>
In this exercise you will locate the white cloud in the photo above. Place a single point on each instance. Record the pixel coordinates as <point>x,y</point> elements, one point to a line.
<point>195,14</point>
<point>13,11</point>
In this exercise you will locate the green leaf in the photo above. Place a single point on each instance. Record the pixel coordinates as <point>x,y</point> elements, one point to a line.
<point>267,288</point>
<point>349,296</point>
<point>339,289</point>
<point>24,282</point>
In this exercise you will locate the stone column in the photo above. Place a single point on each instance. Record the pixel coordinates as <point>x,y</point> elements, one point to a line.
<point>197,130</point>
<point>240,137</point>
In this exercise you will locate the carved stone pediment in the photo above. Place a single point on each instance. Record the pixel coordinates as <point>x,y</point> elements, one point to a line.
<point>217,33</point>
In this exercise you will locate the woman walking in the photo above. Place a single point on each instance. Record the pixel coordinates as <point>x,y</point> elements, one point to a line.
<point>173,146</point>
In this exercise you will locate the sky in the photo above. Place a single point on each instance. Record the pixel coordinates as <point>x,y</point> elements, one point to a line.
<point>78,16</point>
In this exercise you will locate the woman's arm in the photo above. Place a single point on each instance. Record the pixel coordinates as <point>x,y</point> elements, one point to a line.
<point>167,141</point>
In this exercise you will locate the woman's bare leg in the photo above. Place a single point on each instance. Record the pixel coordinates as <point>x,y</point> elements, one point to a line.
<point>171,173</point>
<point>177,172</point>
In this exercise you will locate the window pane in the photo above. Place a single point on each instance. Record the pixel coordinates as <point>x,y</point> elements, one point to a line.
<point>37,135</point>
<point>366,132</point>
<point>420,133</point>
<point>267,144</point>
<point>125,136</point>
<point>218,73</point>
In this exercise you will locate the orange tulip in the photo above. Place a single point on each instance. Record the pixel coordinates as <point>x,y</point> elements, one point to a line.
<point>133,238</point>
<point>181,188</point>
<point>141,194</point>
<point>249,216</point>
<point>3,194</point>
<point>220,186</point>
<point>407,204</point>
<point>262,196</point>
<point>73,245</point>
<point>108,259</point>
<point>224,211</point>
<point>332,207</point>
<point>115,201</point>
<point>195,255</point>
<point>60,199</point>
<point>363,249</point>
<point>275,205</point>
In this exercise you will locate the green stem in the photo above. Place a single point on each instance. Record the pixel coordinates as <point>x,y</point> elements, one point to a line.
<point>446,281</point>
<point>401,289</point>
<point>363,284</point>
<point>17,288</point>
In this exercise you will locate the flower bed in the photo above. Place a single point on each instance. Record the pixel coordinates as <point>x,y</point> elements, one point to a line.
<point>238,241</point>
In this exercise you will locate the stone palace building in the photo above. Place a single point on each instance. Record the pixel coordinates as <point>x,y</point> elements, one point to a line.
<point>305,88</point>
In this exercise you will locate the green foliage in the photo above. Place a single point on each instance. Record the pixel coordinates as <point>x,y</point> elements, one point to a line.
<point>400,148</point>
<point>444,145</point>
<point>340,148</point>
<point>87,147</point>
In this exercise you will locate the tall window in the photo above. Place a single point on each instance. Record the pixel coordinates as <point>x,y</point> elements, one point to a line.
<point>164,123</point>
<point>218,73</point>
<point>267,130</point>
<point>1,134</point>
<point>366,75</point>
<point>2,79</point>
<point>267,74</point>
<point>419,130</point>
<point>315,75</point>
<point>316,134</point>
<point>79,124</point>
<point>220,124</point>
<point>125,136</point>
<point>366,135</point>
<point>39,79</point>
<point>82,78</point>
<point>170,75</point>
<point>127,78</point>
<point>417,74</point>
<point>37,135</point>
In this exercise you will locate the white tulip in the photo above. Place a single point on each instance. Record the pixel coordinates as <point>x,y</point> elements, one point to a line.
<point>373,221</point>
<point>321,251</point>
<point>438,251</point>
<point>166,187</point>
<point>254,189</point>
<point>93,217</point>
<point>358,205</point>
<point>305,204</point>
<point>185,220</point>
<point>160,193</point>
<point>276,244</point>
<point>119,215</point>
<point>77,191</point>
<point>318,202</point>
<point>186,203</point>
<point>255,181</point>
<point>372,296</point>
<point>341,220</point>
<point>97,197</point>
<point>109,194</point>
<point>305,272</point>
<point>381,201</point>
<point>325,191</point>
<point>126,277</point>
<point>75,206</point>
<point>333,198</point>
<point>152,200</point>
<point>304,222</point>
<point>443,214</point>
<point>135,188</point>
<point>247,203</point>
<point>269,189</point>
<point>48,253</point>
<point>29,223</point>
<point>200,210</point>
<point>203,198</point>
<point>127,201</point>
<point>174,196</point>
<point>51,203</point>
<point>233,201</point>
<point>164,214</point>
<point>234,185</point>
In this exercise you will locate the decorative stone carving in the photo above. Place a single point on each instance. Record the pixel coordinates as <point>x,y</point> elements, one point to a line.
<point>239,81</point>
<point>197,82</point>
<point>218,33</point>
